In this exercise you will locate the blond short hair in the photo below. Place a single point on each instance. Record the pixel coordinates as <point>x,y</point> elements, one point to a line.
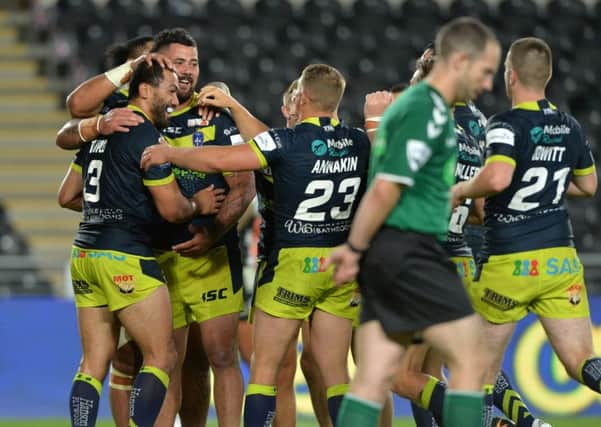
<point>323,85</point>
<point>532,61</point>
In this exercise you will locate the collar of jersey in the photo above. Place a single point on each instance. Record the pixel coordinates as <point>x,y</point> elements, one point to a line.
<point>317,121</point>
<point>139,110</point>
<point>191,103</point>
<point>533,105</point>
<point>124,90</point>
<point>460,104</point>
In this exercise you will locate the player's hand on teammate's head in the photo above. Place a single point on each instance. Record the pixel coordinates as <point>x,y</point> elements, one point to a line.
<point>148,57</point>
<point>200,242</point>
<point>211,96</point>
<point>155,155</point>
<point>346,265</point>
<point>209,200</point>
<point>118,120</point>
<point>376,103</point>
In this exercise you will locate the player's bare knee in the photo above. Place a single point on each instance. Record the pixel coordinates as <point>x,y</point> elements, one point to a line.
<point>222,359</point>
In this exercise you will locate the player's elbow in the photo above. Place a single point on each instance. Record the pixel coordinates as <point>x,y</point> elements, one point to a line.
<point>174,214</point>
<point>498,183</point>
<point>66,199</point>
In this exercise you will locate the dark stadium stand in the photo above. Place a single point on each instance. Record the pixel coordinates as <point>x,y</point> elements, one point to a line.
<point>258,47</point>
<point>19,274</point>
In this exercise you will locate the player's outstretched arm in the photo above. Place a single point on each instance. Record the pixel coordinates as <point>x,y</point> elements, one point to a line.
<point>87,99</point>
<point>174,207</point>
<point>248,125</point>
<point>70,193</point>
<point>204,159</point>
<point>76,132</point>
<point>373,109</point>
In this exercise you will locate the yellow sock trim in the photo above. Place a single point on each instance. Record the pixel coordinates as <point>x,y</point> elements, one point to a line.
<point>337,390</point>
<point>579,371</point>
<point>266,390</point>
<point>132,424</point>
<point>426,394</point>
<point>157,372</point>
<point>80,376</point>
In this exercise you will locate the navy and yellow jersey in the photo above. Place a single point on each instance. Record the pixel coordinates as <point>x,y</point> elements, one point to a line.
<point>118,209</point>
<point>187,129</point>
<point>469,162</point>
<point>264,188</point>
<point>471,119</point>
<point>117,99</point>
<point>319,171</point>
<point>546,147</point>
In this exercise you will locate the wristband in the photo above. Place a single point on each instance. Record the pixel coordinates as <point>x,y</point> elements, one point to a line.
<point>373,119</point>
<point>118,74</point>
<point>86,128</point>
<point>98,118</point>
<point>355,249</point>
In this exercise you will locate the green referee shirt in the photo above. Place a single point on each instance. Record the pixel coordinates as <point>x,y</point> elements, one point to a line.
<point>416,147</point>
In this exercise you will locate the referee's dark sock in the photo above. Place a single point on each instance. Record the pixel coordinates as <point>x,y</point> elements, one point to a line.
<point>422,417</point>
<point>335,394</point>
<point>463,409</point>
<point>357,412</point>
<point>147,396</point>
<point>259,405</point>
<point>510,402</point>
<point>432,398</point>
<point>83,402</point>
<point>590,373</point>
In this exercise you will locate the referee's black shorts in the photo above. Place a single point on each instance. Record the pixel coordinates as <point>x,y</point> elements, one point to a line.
<point>408,283</point>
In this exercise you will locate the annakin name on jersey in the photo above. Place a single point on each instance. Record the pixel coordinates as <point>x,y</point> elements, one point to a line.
<point>546,147</point>
<point>319,171</point>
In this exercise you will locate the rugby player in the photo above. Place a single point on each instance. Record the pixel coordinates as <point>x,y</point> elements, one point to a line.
<point>115,275</point>
<point>410,290</point>
<point>218,271</point>
<point>535,156</point>
<point>318,169</point>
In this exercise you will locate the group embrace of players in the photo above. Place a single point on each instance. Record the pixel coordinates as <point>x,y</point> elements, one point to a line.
<point>357,229</point>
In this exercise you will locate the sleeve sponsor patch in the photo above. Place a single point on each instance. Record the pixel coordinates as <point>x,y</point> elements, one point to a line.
<point>500,136</point>
<point>237,139</point>
<point>265,142</point>
<point>418,153</point>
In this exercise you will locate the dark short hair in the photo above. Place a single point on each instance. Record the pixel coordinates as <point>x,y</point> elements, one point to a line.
<point>151,74</point>
<point>118,53</point>
<point>464,34</point>
<point>173,35</point>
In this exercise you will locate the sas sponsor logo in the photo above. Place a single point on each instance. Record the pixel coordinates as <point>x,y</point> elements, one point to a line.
<point>76,253</point>
<point>314,265</point>
<point>81,287</point>
<point>125,283</point>
<point>497,300</point>
<point>525,267</point>
<point>290,298</point>
<point>574,294</point>
<point>214,295</point>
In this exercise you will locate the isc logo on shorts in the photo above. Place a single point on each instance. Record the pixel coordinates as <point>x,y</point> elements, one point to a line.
<point>214,294</point>
<point>125,283</point>
<point>314,265</point>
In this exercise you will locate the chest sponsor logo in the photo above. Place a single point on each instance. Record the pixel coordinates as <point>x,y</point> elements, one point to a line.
<point>290,298</point>
<point>549,134</point>
<point>314,265</point>
<point>319,147</point>
<point>125,283</point>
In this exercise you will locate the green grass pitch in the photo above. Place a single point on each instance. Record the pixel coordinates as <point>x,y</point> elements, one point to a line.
<point>399,422</point>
